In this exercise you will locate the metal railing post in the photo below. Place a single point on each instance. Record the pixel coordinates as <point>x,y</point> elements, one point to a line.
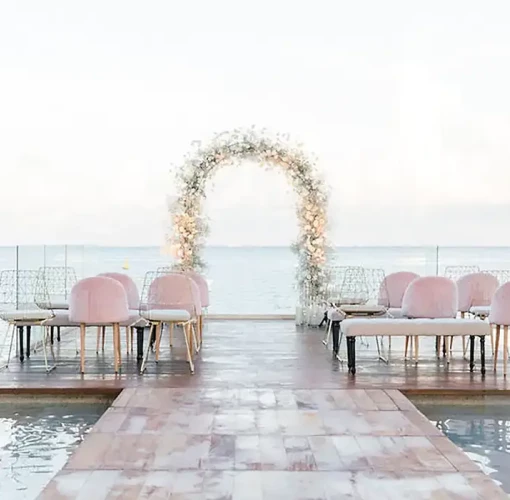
<point>17,277</point>
<point>65,272</point>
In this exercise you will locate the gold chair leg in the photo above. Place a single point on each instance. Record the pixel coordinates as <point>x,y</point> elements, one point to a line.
<point>127,339</point>
<point>187,339</point>
<point>82,348</point>
<point>505,349</point>
<point>159,331</point>
<point>98,339</point>
<point>171,334</point>
<point>496,347</point>
<point>416,348</point>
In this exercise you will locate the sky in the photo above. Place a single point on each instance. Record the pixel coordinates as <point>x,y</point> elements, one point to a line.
<point>405,104</point>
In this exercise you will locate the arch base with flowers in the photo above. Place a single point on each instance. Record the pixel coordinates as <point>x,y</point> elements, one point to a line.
<point>190,227</point>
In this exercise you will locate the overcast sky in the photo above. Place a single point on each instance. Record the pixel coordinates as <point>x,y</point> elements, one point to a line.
<point>406,104</point>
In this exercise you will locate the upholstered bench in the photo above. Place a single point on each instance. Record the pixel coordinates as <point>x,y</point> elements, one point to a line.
<point>423,327</point>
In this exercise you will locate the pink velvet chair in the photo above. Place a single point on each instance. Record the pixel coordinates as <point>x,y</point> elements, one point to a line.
<point>500,317</point>
<point>431,297</point>
<point>133,302</point>
<point>476,291</point>
<point>204,299</point>
<point>99,301</point>
<point>173,299</point>
<point>392,291</point>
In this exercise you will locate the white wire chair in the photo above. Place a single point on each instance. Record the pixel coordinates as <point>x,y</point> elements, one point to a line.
<point>22,293</point>
<point>456,272</point>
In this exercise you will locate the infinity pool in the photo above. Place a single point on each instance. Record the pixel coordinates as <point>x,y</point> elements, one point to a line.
<point>37,435</point>
<point>481,427</point>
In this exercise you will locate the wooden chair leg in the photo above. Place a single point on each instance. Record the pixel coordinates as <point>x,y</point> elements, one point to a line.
<point>496,347</point>
<point>159,331</point>
<point>127,339</point>
<point>119,350</point>
<point>82,348</point>
<point>187,338</point>
<point>171,333</point>
<point>505,349</point>
<point>416,348</point>
<point>103,334</point>
<point>492,340</point>
<point>132,334</point>
<point>98,339</point>
<point>115,350</point>
<point>406,347</point>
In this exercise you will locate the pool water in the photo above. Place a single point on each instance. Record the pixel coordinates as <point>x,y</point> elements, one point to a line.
<point>481,428</point>
<point>37,435</point>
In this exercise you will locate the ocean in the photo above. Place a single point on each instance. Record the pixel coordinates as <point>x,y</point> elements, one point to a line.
<point>251,280</point>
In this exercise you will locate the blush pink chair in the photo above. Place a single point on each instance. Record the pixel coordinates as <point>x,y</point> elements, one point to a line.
<point>500,317</point>
<point>392,291</point>
<point>172,299</point>
<point>432,297</point>
<point>99,301</point>
<point>133,302</point>
<point>203,287</point>
<point>476,291</point>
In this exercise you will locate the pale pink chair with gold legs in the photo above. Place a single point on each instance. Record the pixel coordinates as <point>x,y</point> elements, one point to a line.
<point>172,299</point>
<point>392,292</point>
<point>133,302</point>
<point>476,291</point>
<point>203,287</point>
<point>99,301</point>
<point>500,317</point>
<point>430,297</point>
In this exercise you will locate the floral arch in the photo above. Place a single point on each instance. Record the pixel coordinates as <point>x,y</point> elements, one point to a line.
<point>190,227</point>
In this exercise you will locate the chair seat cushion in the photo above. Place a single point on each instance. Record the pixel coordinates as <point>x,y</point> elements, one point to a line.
<point>56,305</point>
<point>480,310</point>
<point>26,315</point>
<point>363,309</point>
<point>335,315</point>
<point>395,312</point>
<point>413,327</point>
<point>345,300</point>
<point>166,315</point>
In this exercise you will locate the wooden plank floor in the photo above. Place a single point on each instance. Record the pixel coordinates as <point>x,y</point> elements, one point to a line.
<point>264,444</point>
<point>267,354</point>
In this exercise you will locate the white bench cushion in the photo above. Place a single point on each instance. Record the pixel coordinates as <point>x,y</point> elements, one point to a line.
<point>422,327</point>
<point>363,309</point>
<point>166,315</point>
<point>480,310</point>
<point>26,315</point>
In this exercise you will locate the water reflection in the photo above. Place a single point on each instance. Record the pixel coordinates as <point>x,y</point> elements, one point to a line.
<point>36,440</point>
<point>483,432</point>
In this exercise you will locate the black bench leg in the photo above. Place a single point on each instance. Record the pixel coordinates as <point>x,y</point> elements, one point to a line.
<point>20,340</point>
<point>351,354</point>
<point>471,353</point>
<point>58,333</point>
<point>29,331</point>
<point>438,345</point>
<point>139,343</point>
<point>335,330</point>
<point>52,329</point>
<point>482,353</point>
<point>324,319</point>
<point>444,346</point>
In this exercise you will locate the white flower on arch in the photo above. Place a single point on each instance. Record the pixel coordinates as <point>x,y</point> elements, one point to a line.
<point>190,228</point>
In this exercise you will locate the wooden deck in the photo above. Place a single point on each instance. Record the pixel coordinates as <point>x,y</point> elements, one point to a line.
<point>268,414</point>
<point>265,354</point>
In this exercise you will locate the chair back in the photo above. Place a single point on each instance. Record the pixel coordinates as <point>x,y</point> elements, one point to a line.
<point>129,286</point>
<point>203,287</point>
<point>174,291</point>
<point>455,272</point>
<point>476,289</point>
<point>500,306</point>
<point>98,300</point>
<point>22,289</point>
<point>393,288</point>
<point>58,282</point>
<point>430,297</point>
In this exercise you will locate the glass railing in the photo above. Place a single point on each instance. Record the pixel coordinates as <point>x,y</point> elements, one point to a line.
<point>249,280</point>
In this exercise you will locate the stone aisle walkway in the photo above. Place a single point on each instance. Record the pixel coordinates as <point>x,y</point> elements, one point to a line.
<point>258,444</point>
